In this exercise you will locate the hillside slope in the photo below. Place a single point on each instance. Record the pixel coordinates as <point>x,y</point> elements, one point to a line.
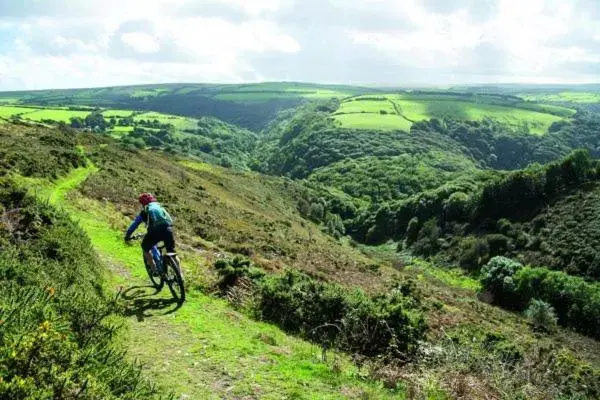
<point>471,349</point>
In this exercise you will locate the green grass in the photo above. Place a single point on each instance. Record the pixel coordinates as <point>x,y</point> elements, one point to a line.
<point>117,113</point>
<point>178,122</point>
<point>373,121</point>
<point>566,96</point>
<point>55,114</point>
<point>368,106</point>
<point>9,111</point>
<point>120,131</point>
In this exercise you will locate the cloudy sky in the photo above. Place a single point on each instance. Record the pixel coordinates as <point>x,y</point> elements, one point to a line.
<point>75,43</point>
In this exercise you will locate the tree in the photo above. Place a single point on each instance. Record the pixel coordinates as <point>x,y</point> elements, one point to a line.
<point>76,122</point>
<point>95,121</point>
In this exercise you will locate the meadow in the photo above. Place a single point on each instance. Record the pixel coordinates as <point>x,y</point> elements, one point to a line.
<point>565,96</point>
<point>368,112</point>
<point>178,122</point>
<point>59,115</point>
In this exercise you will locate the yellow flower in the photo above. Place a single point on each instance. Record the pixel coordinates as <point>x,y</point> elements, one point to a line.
<point>45,326</point>
<point>51,291</point>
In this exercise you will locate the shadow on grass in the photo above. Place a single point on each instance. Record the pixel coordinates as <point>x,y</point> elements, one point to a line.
<point>141,303</point>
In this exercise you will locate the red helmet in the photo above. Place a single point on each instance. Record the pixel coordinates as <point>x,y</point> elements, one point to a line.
<point>146,198</point>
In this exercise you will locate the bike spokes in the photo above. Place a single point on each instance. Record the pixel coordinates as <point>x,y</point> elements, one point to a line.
<point>174,279</point>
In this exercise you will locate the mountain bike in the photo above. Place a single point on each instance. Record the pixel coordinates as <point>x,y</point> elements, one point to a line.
<point>167,271</point>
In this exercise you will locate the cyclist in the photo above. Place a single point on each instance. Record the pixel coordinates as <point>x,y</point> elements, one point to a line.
<point>159,228</point>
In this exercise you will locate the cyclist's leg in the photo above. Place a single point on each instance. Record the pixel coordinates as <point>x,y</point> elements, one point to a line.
<point>169,240</point>
<point>150,240</point>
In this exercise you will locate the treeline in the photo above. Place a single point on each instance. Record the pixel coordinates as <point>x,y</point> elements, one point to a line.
<point>212,141</point>
<point>472,205</point>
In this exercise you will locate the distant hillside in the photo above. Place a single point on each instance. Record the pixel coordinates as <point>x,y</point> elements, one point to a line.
<point>250,106</point>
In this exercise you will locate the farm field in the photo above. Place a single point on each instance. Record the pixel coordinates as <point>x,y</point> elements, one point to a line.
<point>566,96</point>
<point>55,115</point>
<point>373,121</point>
<point>178,122</point>
<point>9,111</point>
<point>367,114</point>
<point>117,113</point>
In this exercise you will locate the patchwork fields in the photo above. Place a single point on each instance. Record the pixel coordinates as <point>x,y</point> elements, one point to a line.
<point>399,111</point>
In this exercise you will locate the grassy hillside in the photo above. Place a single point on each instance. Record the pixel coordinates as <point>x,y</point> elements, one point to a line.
<point>251,106</point>
<point>471,349</point>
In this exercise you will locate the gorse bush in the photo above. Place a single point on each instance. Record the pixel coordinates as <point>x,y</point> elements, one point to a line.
<point>575,301</point>
<point>55,338</point>
<point>331,315</point>
<point>541,315</point>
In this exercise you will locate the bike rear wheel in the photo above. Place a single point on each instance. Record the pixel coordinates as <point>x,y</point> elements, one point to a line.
<point>174,279</point>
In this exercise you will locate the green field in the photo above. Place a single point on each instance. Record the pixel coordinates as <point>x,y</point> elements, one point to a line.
<point>179,123</point>
<point>366,114</point>
<point>566,96</point>
<point>120,131</point>
<point>9,111</point>
<point>366,106</point>
<point>374,121</point>
<point>117,113</point>
<point>55,115</point>
<point>257,96</point>
<point>39,114</point>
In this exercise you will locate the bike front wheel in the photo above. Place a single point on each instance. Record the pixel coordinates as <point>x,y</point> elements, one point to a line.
<point>174,279</point>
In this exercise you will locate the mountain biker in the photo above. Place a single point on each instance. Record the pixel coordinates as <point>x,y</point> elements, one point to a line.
<point>159,227</point>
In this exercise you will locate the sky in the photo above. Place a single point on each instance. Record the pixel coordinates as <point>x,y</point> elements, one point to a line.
<point>73,43</point>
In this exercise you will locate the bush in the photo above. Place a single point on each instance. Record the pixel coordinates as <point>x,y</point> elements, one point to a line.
<point>575,301</point>
<point>427,240</point>
<point>497,278</point>
<point>457,206</point>
<point>56,340</point>
<point>230,271</point>
<point>473,253</point>
<point>333,316</point>
<point>541,315</point>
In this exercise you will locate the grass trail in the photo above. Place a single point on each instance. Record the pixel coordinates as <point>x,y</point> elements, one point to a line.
<point>205,349</point>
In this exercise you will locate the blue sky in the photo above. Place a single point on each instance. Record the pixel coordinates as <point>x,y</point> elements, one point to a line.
<point>72,43</point>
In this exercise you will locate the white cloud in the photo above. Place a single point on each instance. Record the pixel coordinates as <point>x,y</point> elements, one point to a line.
<point>72,43</point>
<point>141,42</point>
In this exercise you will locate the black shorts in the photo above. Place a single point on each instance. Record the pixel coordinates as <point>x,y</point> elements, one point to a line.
<point>159,234</point>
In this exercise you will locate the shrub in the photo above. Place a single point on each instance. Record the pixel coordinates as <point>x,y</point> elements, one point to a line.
<point>427,240</point>
<point>497,278</point>
<point>473,253</point>
<point>412,231</point>
<point>457,206</point>
<point>498,243</point>
<point>231,270</point>
<point>335,316</point>
<point>541,315</point>
<point>575,301</point>
<point>56,340</point>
